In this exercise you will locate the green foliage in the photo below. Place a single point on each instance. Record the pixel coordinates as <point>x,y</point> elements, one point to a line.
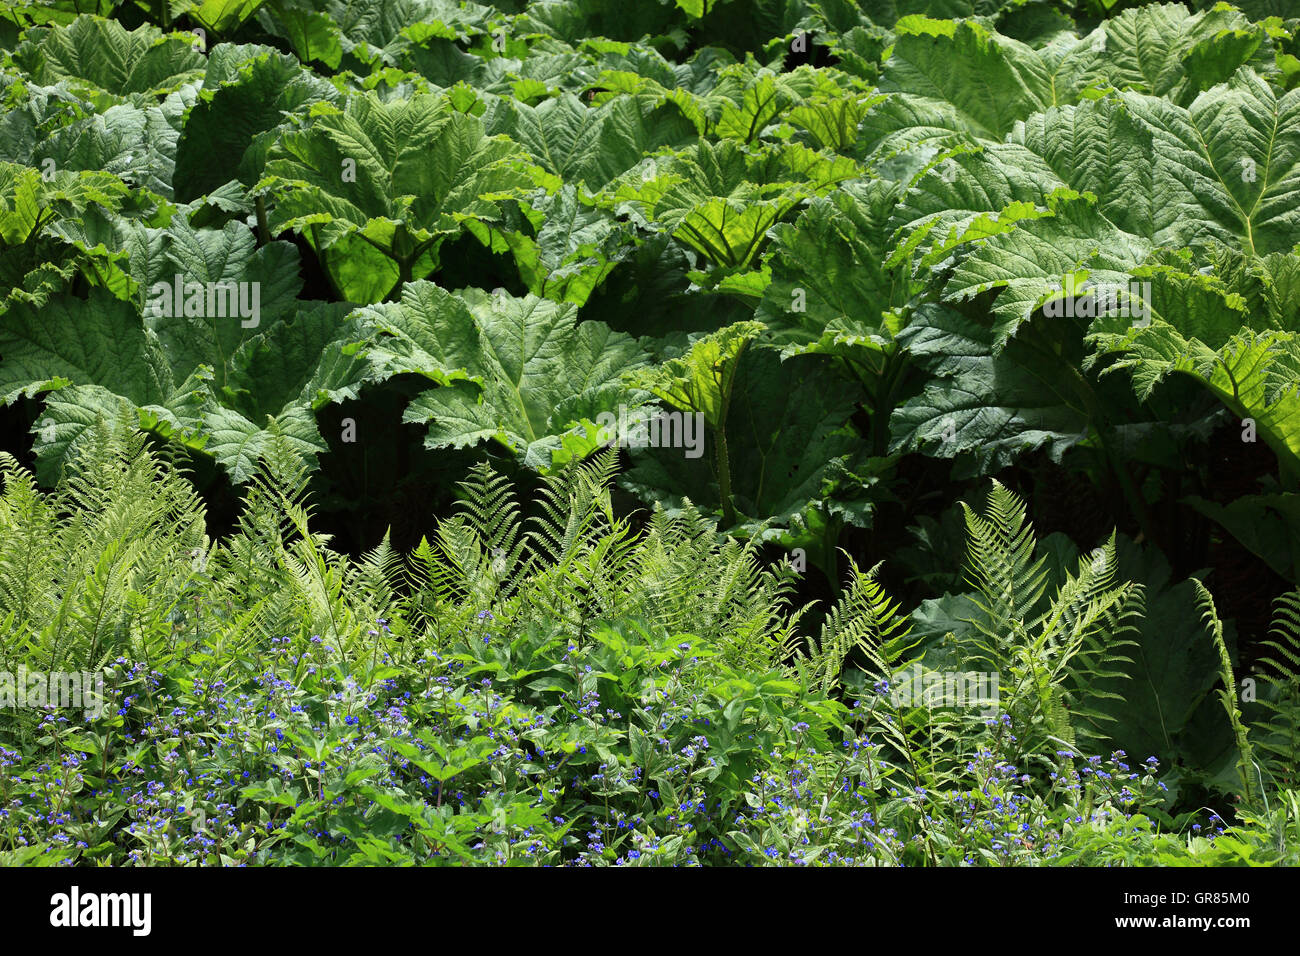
<point>1053,653</point>
<point>509,655</point>
<point>103,568</point>
<point>885,253</point>
<point>539,374</point>
<point>1277,740</point>
<point>377,186</point>
<point>1228,695</point>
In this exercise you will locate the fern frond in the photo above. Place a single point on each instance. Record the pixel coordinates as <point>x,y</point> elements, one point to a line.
<point>1228,692</point>
<point>1277,736</point>
<point>865,619</point>
<point>1000,565</point>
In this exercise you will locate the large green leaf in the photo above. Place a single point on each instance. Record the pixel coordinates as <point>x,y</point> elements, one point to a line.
<point>1163,50</point>
<point>702,380</point>
<point>222,16</point>
<point>588,145</point>
<point>1058,202</point>
<point>34,271</point>
<point>721,199</point>
<point>1200,327</point>
<point>239,444</point>
<point>536,372</point>
<point>430,332</point>
<point>377,186</point>
<point>829,275</point>
<point>266,278</point>
<point>223,383</point>
<point>275,382</point>
<point>74,220</point>
<point>1035,263</point>
<point>307,359</point>
<point>988,408</point>
<point>311,33</point>
<point>102,55</point>
<point>138,145</point>
<point>990,81</point>
<point>95,341</point>
<point>564,245</point>
<point>72,414</point>
<point>787,441</point>
<point>379,32</point>
<point>249,95</point>
<point>1255,374</point>
<point>29,200</point>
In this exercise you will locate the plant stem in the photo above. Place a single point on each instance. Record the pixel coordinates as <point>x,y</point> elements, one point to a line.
<point>263,229</point>
<point>724,473</point>
<point>324,264</point>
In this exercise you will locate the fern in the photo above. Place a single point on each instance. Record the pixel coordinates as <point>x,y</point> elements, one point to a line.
<point>864,619</point>
<point>1228,692</point>
<point>1001,566</point>
<point>380,577</point>
<point>99,567</point>
<point>27,562</point>
<point>1277,740</point>
<point>1053,654</point>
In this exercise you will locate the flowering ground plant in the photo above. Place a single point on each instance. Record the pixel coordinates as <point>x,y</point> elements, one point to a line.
<point>670,760</point>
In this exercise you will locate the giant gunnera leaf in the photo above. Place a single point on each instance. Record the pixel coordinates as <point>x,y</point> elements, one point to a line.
<point>376,187</point>
<point>107,61</point>
<point>535,374</point>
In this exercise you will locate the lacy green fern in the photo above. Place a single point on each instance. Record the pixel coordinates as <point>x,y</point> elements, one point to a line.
<point>1228,693</point>
<point>104,565</point>
<point>1054,654</point>
<point>1277,737</point>
<point>865,620</point>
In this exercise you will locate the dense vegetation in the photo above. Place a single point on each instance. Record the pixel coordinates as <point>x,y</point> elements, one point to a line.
<point>350,355</point>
